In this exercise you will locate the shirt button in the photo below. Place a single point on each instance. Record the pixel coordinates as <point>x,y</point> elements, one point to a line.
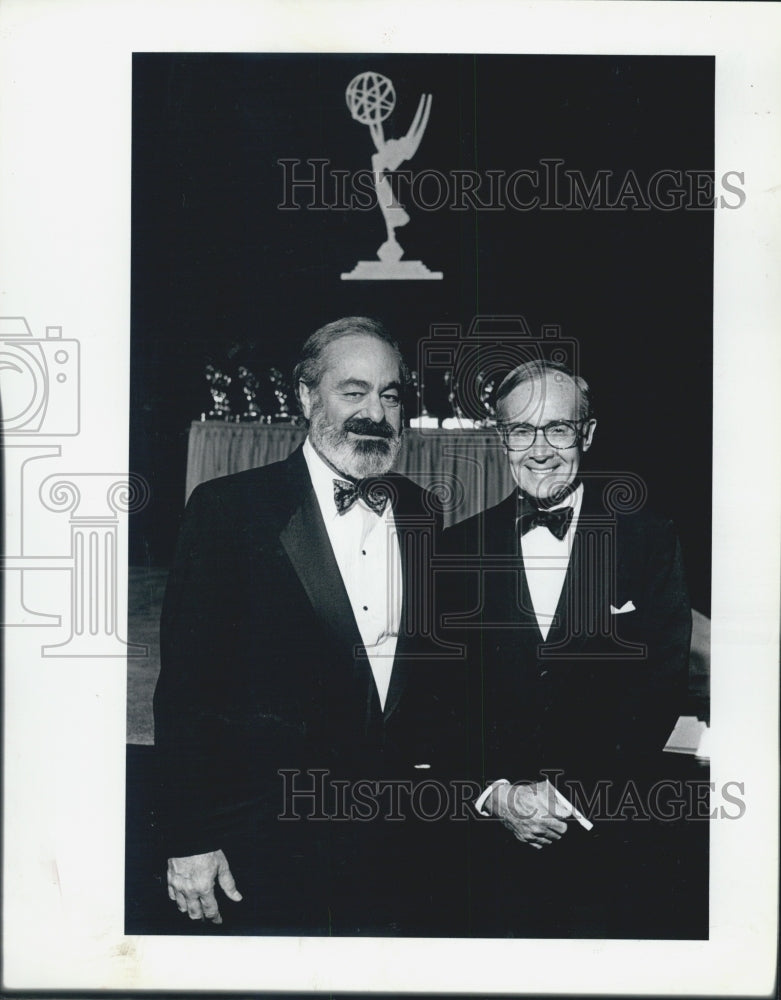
<point>365,608</point>
<point>363,552</point>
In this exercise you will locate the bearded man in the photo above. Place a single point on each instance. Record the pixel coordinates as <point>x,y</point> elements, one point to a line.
<point>297,695</point>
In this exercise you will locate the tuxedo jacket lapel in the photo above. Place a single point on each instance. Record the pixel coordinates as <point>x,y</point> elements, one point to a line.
<point>508,591</point>
<point>416,529</point>
<point>583,599</point>
<point>569,608</point>
<point>305,540</point>
<point>410,582</point>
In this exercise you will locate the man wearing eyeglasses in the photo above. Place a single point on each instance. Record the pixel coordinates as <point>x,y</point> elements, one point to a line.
<point>577,626</point>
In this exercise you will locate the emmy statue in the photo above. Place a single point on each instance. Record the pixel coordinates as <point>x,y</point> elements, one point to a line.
<point>218,386</point>
<point>281,388</point>
<point>458,421</point>
<point>424,421</point>
<point>371,98</point>
<point>485,390</point>
<point>249,385</point>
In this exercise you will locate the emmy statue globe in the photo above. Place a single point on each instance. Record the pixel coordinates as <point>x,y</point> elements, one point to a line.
<point>371,98</point>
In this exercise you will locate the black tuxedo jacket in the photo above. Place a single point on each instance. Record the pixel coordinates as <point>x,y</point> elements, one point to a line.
<point>598,698</point>
<point>590,707</point>
<point>265,693</point>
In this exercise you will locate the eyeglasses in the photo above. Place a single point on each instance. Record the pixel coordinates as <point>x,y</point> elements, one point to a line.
<point>560,434</point>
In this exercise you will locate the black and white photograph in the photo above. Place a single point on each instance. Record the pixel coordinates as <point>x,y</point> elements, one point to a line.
<point>546,261</point>
<point>391,489</point>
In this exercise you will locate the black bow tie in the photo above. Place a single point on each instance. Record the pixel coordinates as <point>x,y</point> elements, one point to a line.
<point>373,495</point>
<point>556,521</point>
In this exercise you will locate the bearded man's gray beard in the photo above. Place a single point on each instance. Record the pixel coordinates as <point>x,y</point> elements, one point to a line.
<point>356,458</point>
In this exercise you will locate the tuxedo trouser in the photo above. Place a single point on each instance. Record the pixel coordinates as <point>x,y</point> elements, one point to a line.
<point>348,878</point>
<point>616,882</point>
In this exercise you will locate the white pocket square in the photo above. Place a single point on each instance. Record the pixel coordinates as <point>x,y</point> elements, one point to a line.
<point>624,609</point>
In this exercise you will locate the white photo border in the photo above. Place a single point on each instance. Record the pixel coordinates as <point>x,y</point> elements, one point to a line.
<point>65,159</point>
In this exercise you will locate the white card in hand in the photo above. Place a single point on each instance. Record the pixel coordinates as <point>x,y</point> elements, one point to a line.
<point>563,807</point>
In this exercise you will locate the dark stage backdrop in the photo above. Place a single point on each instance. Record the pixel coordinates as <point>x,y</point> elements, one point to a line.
<point>219,271</point>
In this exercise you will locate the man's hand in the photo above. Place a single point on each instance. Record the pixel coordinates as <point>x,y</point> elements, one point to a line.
<point>191,884</point>
<point>528,812</point>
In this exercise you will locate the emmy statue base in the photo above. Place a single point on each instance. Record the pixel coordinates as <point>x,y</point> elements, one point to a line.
<point>399,270</point>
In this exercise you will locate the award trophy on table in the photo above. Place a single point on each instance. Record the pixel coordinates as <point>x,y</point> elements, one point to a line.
<point>249,385</point>
<point>371,98</point>
<point>458,421</point>
<point>485,390</point>
<point>423,420</point>
<point>280,387</point>
<point>218,386</point>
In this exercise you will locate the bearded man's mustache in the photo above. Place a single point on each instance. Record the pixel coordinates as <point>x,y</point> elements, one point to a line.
<point>360,425</point>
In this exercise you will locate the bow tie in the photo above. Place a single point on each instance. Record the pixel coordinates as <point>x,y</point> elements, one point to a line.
<point>373,495</point>
<point>556,521</point>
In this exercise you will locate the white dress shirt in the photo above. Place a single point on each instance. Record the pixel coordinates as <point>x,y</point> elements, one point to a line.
<point>545,562</point>
<point>366,549</point>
